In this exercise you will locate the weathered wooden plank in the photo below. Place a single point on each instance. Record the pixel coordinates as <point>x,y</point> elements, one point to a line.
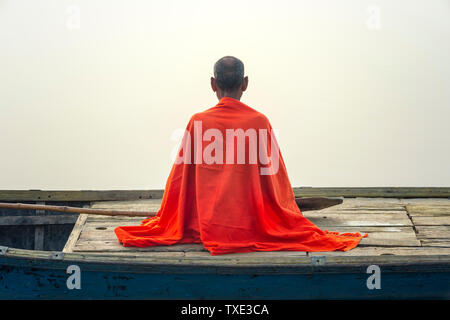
<point>83,195</point>
<point>433,232</point>
<point>380,229</point>
<point>421,210</point>
<point>37,220</point>
<point>96,235</point>
<point>385,236</point>
<point>431,221</point>
<point>75,234</point>
<point>380,209</point>
<point>435,243</point>
<point>371,202</point>
<point>140,254</point>
<point>385,251</point>
<point>258,254</point>
<point>235,259</point>
<point>101,231</point>
<point>426,201</point>
<point>389,240</point>
<point>39,231</point>
<point>114,219</point>
<point>137,205</point>
<point>361,212</point>
<point>327,220</point>
<point>110,224</point>
<point>39,238</point>
<point>115,246</point>
<point>91,195</point>
<point>374,192</point>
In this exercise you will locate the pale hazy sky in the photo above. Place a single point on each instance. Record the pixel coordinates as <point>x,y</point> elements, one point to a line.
<point>92,92</point>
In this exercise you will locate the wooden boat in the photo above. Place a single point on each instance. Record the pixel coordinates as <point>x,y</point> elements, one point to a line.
<point>405,256</point>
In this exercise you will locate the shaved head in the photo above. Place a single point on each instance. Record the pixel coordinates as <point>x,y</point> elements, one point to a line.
<point>229,73</point>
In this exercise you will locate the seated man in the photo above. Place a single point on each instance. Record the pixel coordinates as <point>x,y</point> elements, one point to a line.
<point>229,188</point>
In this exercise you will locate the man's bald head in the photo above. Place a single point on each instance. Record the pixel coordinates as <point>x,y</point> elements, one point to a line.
<point>229,73</point>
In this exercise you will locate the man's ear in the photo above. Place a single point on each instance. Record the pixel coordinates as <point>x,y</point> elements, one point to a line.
<point>213,84</point>
<point>244,84</point>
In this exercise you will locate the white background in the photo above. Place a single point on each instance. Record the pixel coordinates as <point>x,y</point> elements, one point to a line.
<point>91,92</point>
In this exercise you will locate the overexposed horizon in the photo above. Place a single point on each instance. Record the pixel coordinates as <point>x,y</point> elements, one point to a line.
<point>94,94</point>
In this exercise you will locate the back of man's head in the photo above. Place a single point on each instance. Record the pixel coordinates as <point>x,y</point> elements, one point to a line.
<point>229,73</point>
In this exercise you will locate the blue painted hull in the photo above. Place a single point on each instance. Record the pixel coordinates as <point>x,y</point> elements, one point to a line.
<point>46,279</point>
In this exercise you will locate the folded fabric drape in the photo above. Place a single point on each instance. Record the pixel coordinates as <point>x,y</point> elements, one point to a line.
<point>228,201</point>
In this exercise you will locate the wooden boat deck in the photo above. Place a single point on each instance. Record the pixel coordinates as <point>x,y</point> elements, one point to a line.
<point>409,240</point>
<point>399,227</point>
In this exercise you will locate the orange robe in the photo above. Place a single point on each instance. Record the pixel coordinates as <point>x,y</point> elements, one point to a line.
<point>231,207</point>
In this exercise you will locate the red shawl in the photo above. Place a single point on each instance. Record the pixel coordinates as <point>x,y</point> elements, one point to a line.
<point>231,205</point>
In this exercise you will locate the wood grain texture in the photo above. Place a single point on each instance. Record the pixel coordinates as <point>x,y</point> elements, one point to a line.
<point>329,220</point>
<point>426,201</point>
<point>435,243</point>
<point>374,192</point>
<point>431,221</point>
<point>430,210</point>
<point>83,195</point>
<point>75,234</point>
<point>385,251</point>
<point>138,205</point>
<point>433,232</point>
<point>114,246</point>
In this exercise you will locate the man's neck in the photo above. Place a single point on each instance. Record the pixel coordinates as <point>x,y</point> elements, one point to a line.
<point>234,95</point>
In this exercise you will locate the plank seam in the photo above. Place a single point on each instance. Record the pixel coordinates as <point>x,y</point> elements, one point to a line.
<point>413,225</point>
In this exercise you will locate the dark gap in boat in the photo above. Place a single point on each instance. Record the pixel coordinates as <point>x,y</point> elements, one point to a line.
<point>18,227</point>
